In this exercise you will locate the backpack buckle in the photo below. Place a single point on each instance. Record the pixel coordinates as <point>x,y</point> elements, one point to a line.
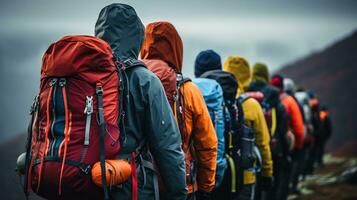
<point>53,82</point>
<point>62,82</point>
<point>89,105</point>
<point>99,90</point>
<point>86,169</point>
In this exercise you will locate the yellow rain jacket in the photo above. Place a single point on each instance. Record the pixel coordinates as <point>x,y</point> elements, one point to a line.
<point>253,112</point>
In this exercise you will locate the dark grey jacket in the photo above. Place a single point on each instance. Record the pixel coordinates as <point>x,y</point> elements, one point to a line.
<point>148,114</point>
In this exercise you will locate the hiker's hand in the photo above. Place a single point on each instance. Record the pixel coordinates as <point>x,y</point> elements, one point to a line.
<point>200,195</point>
<point>266,183</point>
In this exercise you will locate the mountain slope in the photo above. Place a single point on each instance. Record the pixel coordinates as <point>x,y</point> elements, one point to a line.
<point>331,75</point>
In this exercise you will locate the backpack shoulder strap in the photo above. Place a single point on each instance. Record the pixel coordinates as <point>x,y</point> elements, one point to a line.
<point>130,63</point>
<point>242,98</point>
<point>180,105</point>
<point>124,90</point>
<point>273,121</point>
<point>181,80</point>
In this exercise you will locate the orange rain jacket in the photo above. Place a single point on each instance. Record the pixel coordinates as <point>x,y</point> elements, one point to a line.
<point>296,122</point>
<point>162,52</point>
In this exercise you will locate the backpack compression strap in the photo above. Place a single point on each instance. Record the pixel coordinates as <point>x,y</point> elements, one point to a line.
<point>101,123</point>
<point>33,112</point>
<point>124,91</point>
<point>179,113</point>
<point>179,102</point>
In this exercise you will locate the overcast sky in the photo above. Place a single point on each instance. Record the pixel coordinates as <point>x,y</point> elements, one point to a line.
<point>272,31</point>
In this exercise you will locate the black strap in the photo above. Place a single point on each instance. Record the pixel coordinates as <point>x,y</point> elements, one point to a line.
<point>129,63</point>
<point>33,112</point>
<point>83,167</point>
<point>150,165</point>
<point>181,80</point>
<point>101,122</point>
<point>180,105</point>
<point>124,90</point>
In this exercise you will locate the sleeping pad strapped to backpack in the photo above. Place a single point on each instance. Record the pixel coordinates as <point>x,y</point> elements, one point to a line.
<point>76,119</point>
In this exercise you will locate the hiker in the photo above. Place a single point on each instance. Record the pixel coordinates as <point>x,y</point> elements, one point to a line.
<point>315,112</point>
<point>254,118</point>
<point>148,117</point>
<point>324,134</point>
<point>303,98</point>
<point>302,155</point>
<point>94,128</point>
<point>239,175</point>
<point>162,52</point>
<point>296,125</point>
<point>278,126</point>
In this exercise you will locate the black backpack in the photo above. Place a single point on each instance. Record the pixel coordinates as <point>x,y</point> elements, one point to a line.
<point>239,139</point>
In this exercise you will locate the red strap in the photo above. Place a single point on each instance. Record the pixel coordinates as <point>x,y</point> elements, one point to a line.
<point>48,126</point>
<point>68,124</point>
<point>134,178</point>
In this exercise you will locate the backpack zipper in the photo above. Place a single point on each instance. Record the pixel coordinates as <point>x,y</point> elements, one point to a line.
<point>88,110</point>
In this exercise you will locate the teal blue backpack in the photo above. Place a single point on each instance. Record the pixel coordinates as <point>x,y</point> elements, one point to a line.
<point>213,95</point>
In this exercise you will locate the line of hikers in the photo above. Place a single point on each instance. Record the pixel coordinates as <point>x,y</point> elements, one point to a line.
<point>107,125</point>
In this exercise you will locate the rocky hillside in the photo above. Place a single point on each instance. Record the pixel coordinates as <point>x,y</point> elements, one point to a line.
<point>331,75</point>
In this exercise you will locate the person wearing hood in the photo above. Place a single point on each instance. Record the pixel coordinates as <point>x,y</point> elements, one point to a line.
<point>148,121</point>
<point>279,143</point>
<point>238,181</point>
<point>162,52</point>
<point>254,118</point>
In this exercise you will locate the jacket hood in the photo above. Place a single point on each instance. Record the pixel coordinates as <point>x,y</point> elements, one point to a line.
<point>227,81</point>
<point>289,86</point>
<point>206,61</point>
<point>162,42</point>
<point>260,73</point>
<point>271,95</point>
<point>239,67</point>
<point>277,81</point>
<point>256,86</point>
<point>119,25</point>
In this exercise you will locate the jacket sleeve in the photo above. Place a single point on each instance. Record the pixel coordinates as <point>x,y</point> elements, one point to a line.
<point>165,140</point>
<point>296,122</point>
<point>204,139</point>
<point>253,113</point>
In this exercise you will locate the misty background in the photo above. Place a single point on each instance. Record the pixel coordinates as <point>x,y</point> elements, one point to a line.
<point>276,32</point>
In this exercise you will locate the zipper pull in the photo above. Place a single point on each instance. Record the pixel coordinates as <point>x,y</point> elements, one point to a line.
<point>89,105</point>
<point>88,110</point>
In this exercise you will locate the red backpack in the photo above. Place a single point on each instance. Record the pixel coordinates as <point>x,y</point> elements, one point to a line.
<point>75,119</point>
